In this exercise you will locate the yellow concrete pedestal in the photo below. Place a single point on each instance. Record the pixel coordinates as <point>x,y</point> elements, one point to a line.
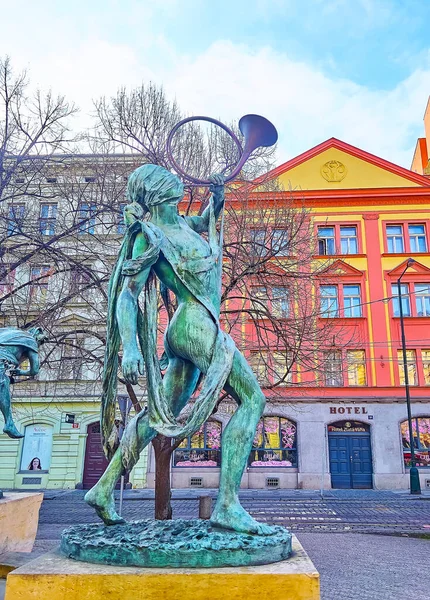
<point>54,577</point>
<point>19,517</point>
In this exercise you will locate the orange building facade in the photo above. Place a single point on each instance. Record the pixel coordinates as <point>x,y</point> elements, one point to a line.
<point>348,428</point>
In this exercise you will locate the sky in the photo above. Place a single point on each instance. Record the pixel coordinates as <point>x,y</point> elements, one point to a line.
<point>358,70</point>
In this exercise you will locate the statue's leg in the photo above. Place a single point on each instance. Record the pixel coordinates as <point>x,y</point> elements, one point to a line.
<point>236,446</point>
<point>192,335</point>
<point>5,407</point>
<point>179,383</point>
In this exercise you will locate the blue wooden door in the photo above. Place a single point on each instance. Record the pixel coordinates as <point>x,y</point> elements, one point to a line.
<point>361,461</point>
<point>350,461</point>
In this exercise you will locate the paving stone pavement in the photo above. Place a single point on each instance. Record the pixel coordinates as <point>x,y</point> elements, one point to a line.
<point>365,512</point>
<point>352,565</point>
<point>369,567</point>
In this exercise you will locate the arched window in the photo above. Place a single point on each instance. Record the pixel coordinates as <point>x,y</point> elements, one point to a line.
<point>203,449</point>
<point>36,449</point>
<point>275,443</point>
<point>421,435</point>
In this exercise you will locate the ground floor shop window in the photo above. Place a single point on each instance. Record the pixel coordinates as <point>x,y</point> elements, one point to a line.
<point>275,443</point>
<point>37,447</point>
<point>203,449</point>
<point>421,435</point>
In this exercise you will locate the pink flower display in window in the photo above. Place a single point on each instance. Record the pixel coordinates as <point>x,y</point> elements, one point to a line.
<point>271,463</point>
<point>258,435</point>
<point>288,433</point>
<point>194,463</point>
<point>274,443</point>
<point>271,424</point>
<point>421,435</point>
<point>202,449</point>
<point>213,435</point>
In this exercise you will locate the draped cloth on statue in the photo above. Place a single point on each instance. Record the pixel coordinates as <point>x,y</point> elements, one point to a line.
<point>9,336</point>
<point>202,279</point>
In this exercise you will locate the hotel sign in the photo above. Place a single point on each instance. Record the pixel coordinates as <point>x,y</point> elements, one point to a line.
<point>348,427</point>
<point>348,410</point>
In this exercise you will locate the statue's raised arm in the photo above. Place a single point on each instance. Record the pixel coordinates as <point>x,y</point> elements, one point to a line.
<point>201,223</point>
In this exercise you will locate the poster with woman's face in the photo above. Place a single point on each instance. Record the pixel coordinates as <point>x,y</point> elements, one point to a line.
<point>37,447</point>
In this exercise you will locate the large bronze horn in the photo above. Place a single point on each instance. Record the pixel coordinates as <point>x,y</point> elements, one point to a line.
<point>256,130</point>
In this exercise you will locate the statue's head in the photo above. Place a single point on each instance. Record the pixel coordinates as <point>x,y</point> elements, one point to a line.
<point>39,335</point>
<point>149,185</point>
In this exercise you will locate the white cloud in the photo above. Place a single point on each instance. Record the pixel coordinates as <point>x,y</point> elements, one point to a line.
<point>306,106</point>
<point>227,80</point>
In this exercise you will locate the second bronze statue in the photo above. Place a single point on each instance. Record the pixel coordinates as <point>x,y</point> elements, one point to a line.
<point>16,346</point>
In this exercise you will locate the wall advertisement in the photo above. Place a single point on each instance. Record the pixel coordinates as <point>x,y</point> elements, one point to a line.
<point>37,447</point>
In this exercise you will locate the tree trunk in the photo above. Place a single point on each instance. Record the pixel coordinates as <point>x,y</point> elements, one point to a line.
<point>163,494</point>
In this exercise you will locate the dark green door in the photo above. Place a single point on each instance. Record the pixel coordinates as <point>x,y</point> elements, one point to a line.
<point>350,460</point>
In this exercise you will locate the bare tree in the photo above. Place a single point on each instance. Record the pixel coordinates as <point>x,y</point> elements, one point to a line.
<point>33,127</point>
<point>269,275</point>
<point>268,303</point>
<point>55,267</point>
<point>55,264</point>
<point>139,121</point>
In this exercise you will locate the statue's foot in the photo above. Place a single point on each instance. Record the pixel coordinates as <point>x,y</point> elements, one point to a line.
<point>12,432</point>
<point>104,506</point>
<point>234,516</point>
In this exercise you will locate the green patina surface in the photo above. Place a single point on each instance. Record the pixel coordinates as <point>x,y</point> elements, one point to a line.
<point>171,249</point>
<point>180,543</point>
<point>15,347</point>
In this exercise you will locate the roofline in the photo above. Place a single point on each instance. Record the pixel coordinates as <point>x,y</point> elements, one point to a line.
<point>354,151</point>
<point>344,193</point>
<point>67,156</point>
<point>351,270</point>
<point>402,264</point>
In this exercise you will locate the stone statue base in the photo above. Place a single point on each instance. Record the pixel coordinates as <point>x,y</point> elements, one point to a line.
<point>19,517</point>
<point>55,577</point>
<point>179,543</point>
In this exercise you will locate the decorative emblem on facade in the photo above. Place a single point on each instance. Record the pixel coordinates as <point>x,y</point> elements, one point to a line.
<point>333,171</point>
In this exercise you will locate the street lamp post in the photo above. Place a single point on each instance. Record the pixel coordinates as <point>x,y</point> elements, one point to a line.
<point>413,471</point>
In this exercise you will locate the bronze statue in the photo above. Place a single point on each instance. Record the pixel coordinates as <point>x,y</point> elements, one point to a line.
<point>16,346</point>
<point>199,360</point>
<point>169,247</point>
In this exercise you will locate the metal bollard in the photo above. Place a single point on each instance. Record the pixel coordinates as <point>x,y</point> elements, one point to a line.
<point>205,507</point>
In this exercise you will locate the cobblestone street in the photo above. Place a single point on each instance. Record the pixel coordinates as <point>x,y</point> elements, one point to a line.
<point>338,511</point>
<point>332,530</point>
<point>369,567</point>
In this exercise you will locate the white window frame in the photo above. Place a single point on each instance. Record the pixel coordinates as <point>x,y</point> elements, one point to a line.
<point>354,302</point>
<point>416,237</point>
<point>405,297</point>
<point>333,376</point>
<point>332,309</point>
<point>47,223</point>
<point>349,240</point>
<point>324,241</point>
<point>394,238</point>
<point>422,297</point>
